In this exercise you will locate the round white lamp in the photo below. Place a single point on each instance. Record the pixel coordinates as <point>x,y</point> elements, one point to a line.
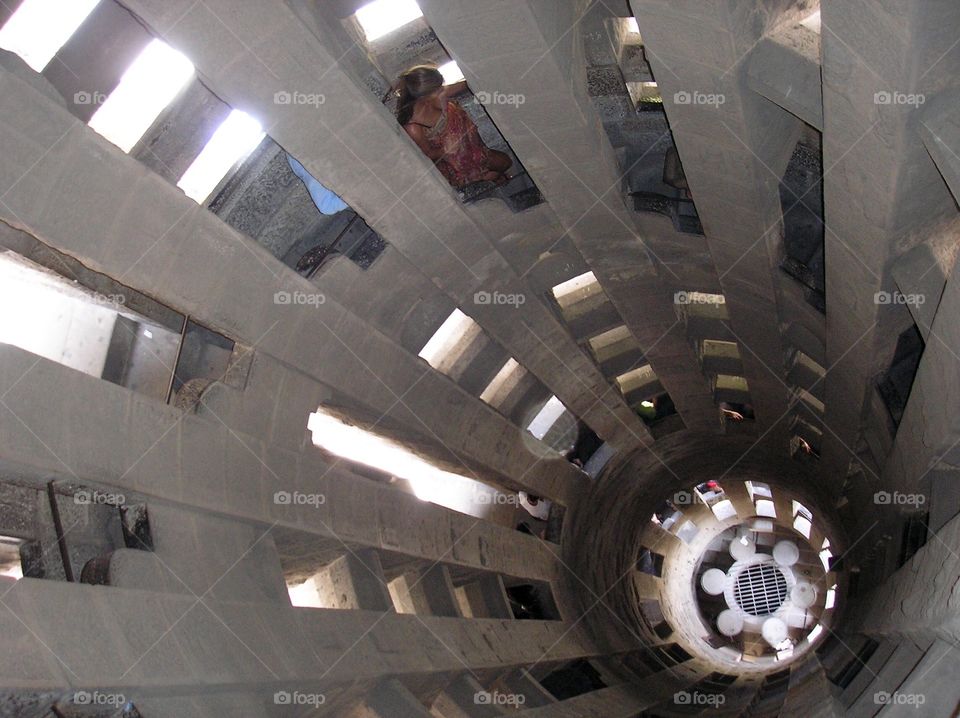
<point>774,631</point>
<point>803,595</point>
<point>730,623</point>
<point>713,581</point>
<point>786,553</point>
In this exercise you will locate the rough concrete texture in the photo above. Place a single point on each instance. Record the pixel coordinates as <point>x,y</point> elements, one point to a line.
<point>871,207</point>
<point>230,306</point>
<point>463,262</point>
<point>252,573</point>
<point>573,160</point>
<point>785,68</point>
<point>724,132</point>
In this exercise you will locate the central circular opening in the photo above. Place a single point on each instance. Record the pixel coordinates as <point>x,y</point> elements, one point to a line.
<point>760,589</point>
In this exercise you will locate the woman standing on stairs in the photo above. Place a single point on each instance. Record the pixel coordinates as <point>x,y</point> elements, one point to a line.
<point>444,131</point>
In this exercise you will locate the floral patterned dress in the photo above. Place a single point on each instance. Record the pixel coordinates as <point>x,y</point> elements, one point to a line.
<point>465,157</point>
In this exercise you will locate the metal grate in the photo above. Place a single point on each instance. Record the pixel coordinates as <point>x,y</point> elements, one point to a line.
<point>760,590</point>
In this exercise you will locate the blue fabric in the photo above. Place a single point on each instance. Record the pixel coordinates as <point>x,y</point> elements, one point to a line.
<point>326,200</point>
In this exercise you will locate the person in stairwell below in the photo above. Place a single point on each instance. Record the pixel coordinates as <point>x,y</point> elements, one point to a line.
<point>444,131</point>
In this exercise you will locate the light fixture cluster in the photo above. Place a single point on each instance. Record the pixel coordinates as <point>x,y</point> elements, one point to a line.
<point>763,592</point>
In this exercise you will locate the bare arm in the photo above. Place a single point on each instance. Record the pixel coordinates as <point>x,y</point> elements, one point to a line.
<point>455,89</point>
